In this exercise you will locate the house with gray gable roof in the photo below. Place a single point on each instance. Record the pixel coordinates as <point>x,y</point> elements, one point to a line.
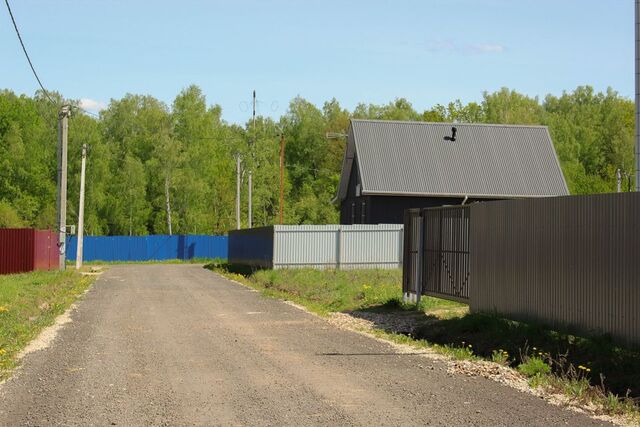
<point>390,166</point>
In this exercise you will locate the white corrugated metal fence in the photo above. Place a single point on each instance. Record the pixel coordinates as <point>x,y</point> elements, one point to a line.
<point>321,246</point>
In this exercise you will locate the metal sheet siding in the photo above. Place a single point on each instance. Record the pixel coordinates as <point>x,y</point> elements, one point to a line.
<point>567,262</point>
<point>26,249</point>
<point>405,158</point>
<point>299,246</point>
<point>16,250</point>
<point>45,250</point>
<point>252,247</point>
<point>318,246</point>
<point>148,248</point>
<point>371,246</point>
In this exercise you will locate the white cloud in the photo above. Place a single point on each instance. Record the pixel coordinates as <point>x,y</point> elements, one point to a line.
<point>92,105</point>
<point>485,48</point>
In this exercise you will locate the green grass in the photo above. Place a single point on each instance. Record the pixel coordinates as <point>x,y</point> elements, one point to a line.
<point>534,367</point>
<point>598,358</point>
<point>30,302</point>
<point>325,291</point>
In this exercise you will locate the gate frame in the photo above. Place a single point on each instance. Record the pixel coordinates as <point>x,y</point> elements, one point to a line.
<point>421,271</point>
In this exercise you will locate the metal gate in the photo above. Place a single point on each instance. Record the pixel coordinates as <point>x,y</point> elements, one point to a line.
<point>436,260</point>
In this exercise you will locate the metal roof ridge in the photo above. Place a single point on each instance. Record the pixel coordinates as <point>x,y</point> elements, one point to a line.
<point>417,122</point>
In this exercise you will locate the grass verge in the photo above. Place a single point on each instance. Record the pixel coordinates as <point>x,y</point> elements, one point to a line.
<point>588,371</point>
<point>326,291</point>
<point>30,302</point>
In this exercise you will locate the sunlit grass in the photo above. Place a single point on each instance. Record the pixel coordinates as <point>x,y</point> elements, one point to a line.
<point>28,303</point>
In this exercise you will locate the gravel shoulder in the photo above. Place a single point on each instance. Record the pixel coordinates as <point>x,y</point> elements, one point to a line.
<point>180,345</point>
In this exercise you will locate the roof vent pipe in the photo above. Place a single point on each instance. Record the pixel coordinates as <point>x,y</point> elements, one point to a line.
<point>454,130</point>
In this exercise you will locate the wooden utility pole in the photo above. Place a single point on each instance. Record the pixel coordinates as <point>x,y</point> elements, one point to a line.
<point>83,168</point>
<point>637,62</point>
<point>63,133</point>
<point>281,177</point>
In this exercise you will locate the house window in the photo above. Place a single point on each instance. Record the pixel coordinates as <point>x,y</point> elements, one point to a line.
<point>363,213</point>
<point>353,213</point>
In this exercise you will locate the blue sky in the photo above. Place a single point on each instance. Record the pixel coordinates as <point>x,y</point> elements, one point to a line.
<point>371,51</point>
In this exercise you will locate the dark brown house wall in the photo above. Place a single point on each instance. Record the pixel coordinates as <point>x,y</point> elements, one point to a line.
<point>390,209</point>
<point>351,207</point>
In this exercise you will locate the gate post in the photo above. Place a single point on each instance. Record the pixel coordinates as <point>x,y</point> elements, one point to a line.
<point>421,262</point>
<point>339,248</point>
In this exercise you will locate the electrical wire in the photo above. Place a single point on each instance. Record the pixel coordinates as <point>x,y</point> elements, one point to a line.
<point>26,54</point>
<point>24,49</point>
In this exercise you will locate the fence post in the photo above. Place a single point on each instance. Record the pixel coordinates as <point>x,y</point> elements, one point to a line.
<point>420,257</point>
<point>406,241</point>
<point>339,248</point>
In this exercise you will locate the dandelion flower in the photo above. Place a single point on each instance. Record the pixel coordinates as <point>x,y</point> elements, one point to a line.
<point>3,309</point>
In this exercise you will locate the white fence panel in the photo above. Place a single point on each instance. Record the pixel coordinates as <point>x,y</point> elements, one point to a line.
<point>371,246</point>
<point>338,246</point>
<point>301,246</point>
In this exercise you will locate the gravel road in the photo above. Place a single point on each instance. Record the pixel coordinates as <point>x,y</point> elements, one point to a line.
<point>179,345</point>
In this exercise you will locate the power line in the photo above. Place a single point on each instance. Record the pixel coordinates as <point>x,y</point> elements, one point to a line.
<point>87,112</point>
<point>24,49</point>
<point>26,54</point>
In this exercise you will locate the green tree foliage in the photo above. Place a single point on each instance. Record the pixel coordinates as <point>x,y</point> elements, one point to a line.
<point>151,165</point>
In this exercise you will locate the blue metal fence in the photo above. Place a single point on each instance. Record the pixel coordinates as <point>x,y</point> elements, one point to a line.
<point>148,248</point>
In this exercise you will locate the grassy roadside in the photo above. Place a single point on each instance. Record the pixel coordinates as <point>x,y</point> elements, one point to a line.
<point>587,371</point>
<point>30,302</point>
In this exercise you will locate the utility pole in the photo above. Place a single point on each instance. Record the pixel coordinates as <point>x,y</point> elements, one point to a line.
<point>63,133</point>
<point>281,177</point>
<point>238,225</point>
<point>250,222</point>
<point>83,169</point>
<point>637,171</point>
<point>167,202</point>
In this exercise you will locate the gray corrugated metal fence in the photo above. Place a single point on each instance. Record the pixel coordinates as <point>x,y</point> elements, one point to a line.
<point>566,261</point>
<point>563,261</point>
<point>318,246</point>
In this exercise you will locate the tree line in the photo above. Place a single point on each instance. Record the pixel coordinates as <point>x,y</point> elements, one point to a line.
<point>154,167</point>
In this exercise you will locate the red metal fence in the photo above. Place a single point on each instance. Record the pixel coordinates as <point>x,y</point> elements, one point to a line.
<point>27,249</point>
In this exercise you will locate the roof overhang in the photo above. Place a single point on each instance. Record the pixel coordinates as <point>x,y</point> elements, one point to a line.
<point>347,165</point>
<point>458,195</point>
